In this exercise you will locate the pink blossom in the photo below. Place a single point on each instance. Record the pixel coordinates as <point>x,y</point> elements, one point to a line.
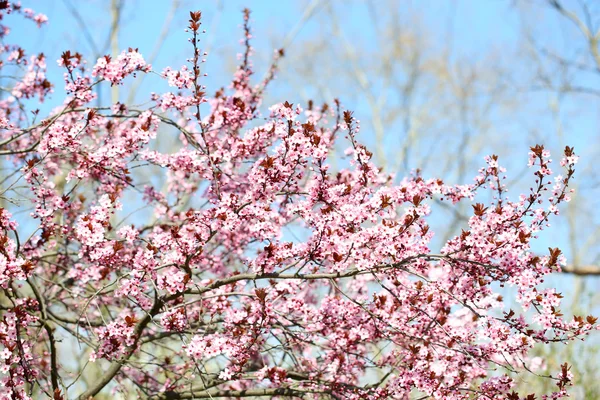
<point>187,244</point>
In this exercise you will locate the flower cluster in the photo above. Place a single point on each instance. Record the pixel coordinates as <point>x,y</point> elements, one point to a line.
<point>16,357</point>
<point>12,267</point>
<point>114,71</point>
<point>115,338</point>
<point>197,243</point>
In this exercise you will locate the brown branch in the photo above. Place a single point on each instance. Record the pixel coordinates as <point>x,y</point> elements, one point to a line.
<point>54,377</point>
<point>311,277</point>
<point>582,270</point>
<point>288,392</point>
<point>116,365</point>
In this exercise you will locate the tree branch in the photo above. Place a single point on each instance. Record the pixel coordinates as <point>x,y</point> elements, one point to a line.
<point>582,270</point>
<point>116,365</point>
<point>288,392</point>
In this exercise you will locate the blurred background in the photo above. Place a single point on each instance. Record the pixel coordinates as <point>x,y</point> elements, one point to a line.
<point>436,84</point>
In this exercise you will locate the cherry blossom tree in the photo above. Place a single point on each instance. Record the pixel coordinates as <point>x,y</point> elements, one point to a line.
<point>257,270</point>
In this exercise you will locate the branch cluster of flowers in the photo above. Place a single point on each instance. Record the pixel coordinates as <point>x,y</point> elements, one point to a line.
<point>259,269</point>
